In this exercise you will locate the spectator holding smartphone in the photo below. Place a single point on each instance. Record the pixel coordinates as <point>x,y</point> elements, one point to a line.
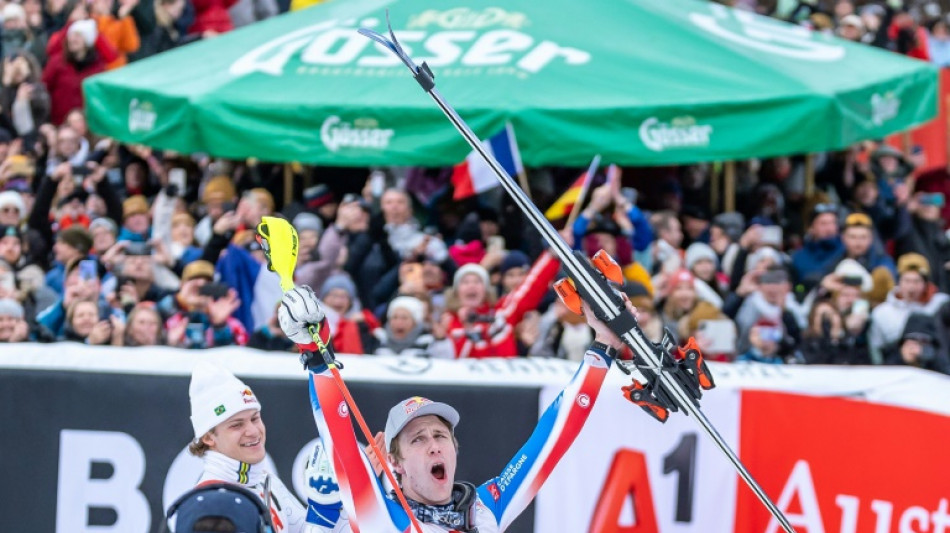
<point>766,340</point>
<point>204,312</point>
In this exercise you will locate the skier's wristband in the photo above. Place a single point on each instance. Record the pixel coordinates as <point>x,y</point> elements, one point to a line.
<point>601,347</point>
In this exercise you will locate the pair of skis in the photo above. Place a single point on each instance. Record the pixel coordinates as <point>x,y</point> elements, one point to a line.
<point>674,378</point>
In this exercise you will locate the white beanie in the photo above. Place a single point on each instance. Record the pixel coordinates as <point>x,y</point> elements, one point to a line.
<point>471,268</point>
<point>12,11</point>
<point>13,198</point>
<point>699,251</point>
<point>412,304</point>
<point>849,268</point>
<point>216,395</point>
<point>86,28</point>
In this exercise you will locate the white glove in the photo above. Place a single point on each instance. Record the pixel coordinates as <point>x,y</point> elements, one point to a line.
<point>299,308</point>
<point>323,491</point>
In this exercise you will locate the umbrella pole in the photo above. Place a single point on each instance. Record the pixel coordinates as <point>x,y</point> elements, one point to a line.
<point>523,178</point>
<point>715,182</point>
<point>288,184</point>
<point>809,175</point>
<point>729,194</point>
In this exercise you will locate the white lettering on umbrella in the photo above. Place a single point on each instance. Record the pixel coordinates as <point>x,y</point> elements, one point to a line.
<point>272,56</point>
<point>884,107</point>
<point>767,35</point>
<point>337,134</point>
<point>332,44</point>
<point>681,132</point>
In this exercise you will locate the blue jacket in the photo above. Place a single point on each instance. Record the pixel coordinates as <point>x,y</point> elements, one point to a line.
<point>815,259</point>
<point>642,232</point>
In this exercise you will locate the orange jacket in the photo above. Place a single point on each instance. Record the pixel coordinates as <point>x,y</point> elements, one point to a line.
<point>121,34</point>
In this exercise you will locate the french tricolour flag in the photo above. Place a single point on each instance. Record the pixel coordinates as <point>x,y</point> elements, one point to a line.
<point>474,176</point>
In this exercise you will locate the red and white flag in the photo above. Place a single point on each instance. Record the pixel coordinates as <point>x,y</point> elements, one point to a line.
<point>474,176</point>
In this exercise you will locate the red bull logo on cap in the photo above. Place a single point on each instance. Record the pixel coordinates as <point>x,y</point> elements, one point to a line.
<point>248,396</point>
<point>414,403</point>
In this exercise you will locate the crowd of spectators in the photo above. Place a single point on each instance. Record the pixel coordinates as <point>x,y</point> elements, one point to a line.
<point>109,244</point>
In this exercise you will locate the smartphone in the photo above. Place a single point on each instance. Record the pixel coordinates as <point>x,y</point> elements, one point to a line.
<point>861,307</point>
<point>771,235</point>
<point>721,335</point>
<point>496,243</point>
<point>138,248</point>
<point>214,290</point>
<point>88,269</point>
<point>178,178</point>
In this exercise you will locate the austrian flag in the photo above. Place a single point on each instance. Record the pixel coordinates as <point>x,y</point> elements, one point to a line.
<point>474,176</point>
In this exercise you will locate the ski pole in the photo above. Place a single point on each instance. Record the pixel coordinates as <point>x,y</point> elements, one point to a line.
<point>279,240</point>
<point>592,286</point>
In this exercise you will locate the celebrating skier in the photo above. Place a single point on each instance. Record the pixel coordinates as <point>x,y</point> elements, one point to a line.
<point>421,446</point>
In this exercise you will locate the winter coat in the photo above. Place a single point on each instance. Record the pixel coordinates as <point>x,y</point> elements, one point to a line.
<point>121,34</point>
<point>815,259</point>
<point>495,337</point>
<point>212,15</point>
<point>204,335</point>
<point>939,360</point>
<point>928,239</point>
<point>889,318</point>
<point>64,80</point>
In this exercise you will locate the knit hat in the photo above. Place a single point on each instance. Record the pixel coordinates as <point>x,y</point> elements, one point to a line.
<point>852,20</point>
<point>339,281</point>
<point>216,395</point>
<point>19,164</point>
<point>699,251</point>
<point>264,197</point>
<point>104,222</point>
<point>308,222</point>
<point>10,231</point>
<point>410,303</point>
<point>681,276</point>
<point>852,273</point>
<point>218,189</point>
<point>467,253</point>
<point>514,259</point>
<point>198,269</point>
<point>86,28</point>
<point>471,268</point>
<point>11,198</point>
<point>731,223</point>
<point>915,262</point>
<point>12,11</point>
<point>317,196</point>
<point>178,218</point>
<point>134,205</point>
<point>766,252</point>
<point>11,307</point>
<point>859,220</point>
<point>411,408</point>
<point>77,237</point>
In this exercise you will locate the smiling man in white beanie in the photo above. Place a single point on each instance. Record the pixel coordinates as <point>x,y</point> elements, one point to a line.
<point>230,438</point>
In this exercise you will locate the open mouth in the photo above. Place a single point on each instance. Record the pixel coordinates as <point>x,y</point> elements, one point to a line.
<point>438,471</point>
<point>251,444</point>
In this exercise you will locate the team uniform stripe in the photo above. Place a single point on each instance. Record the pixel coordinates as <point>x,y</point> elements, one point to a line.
<point>363,495</point>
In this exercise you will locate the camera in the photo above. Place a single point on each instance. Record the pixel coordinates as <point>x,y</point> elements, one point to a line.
<point>138,248</point>
<point>475,318</point>
<point>214,290</point>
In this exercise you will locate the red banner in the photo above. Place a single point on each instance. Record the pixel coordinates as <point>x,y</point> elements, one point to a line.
<point>822,461</point>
